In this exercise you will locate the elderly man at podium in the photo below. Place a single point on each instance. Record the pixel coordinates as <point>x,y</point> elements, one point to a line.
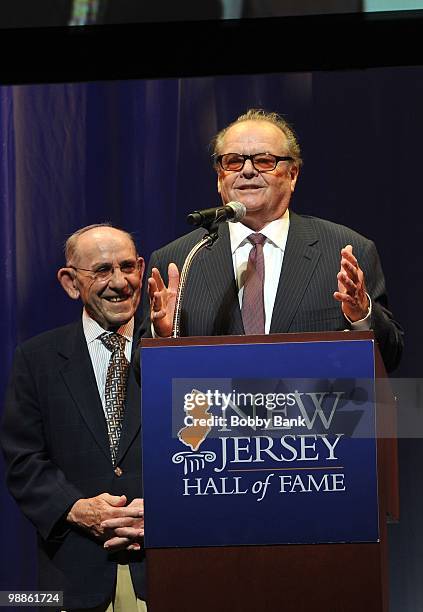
<point>275,271</point>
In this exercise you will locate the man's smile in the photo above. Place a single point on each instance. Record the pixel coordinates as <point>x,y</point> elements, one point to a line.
<point>248,186</point>
<point>116,298</point>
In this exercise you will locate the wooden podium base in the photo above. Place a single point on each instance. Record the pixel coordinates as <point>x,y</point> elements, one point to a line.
<point>290,578</point>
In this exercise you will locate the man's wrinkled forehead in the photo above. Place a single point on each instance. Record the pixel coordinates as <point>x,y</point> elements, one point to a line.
<point>104,244</point>
<point>250,136</point>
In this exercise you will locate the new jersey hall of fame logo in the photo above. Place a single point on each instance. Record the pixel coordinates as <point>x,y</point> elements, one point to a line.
<point>261,442</point>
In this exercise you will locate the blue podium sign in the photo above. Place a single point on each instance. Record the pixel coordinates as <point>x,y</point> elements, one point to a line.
<point>252,444</point>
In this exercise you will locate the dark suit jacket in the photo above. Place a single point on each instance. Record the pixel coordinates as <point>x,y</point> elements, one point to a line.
<point>304,300</point>
<point>55,442</point>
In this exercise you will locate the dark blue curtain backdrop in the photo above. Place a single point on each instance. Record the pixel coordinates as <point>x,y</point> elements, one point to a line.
<point>136,153</point>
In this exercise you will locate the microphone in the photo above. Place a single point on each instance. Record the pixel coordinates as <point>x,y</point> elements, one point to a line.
<point>232,211</point>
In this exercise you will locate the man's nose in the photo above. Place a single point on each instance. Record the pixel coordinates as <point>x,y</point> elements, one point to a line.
<point>248,169</point>
<point>117,279</point>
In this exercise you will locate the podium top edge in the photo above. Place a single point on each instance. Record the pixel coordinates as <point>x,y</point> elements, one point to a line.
<point>259,338</point>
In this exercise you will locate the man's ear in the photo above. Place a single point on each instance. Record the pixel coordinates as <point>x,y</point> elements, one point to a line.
<point>294,172</point>
<point>66,277</point>
<point>141,264</point>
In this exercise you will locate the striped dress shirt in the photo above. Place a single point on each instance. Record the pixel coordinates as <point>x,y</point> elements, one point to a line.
<point>99,354</point>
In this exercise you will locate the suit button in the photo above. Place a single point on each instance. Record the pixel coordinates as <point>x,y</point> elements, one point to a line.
<point>118,471</point>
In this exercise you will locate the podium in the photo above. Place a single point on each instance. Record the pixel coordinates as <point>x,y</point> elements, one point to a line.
<point>315,536</point>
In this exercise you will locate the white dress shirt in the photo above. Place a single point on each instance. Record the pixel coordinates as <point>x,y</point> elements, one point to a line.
<point>276,234</point>
<point>100,355</point>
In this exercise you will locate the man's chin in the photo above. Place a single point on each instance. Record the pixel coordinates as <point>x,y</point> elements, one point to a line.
<point>250,199</point>
<point>116,319</point>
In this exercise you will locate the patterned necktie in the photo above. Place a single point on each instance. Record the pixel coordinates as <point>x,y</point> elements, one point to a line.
<point>253,297</point>
<point>114,396</point>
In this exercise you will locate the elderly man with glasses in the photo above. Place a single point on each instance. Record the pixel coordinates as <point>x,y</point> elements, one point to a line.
<point>276,271</point>
<point>71,432</point>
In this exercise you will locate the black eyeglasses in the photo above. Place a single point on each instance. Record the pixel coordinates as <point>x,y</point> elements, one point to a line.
<point>105,271</point>
<point>262,162</point>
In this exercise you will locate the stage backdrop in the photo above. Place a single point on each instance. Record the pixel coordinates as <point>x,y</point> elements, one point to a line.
<point>136,154</point>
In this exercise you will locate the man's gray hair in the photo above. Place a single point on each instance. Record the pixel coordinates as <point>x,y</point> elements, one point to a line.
<point>258,114</point>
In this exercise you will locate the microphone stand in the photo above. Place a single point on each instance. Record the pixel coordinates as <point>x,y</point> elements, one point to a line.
<point>206,241</point>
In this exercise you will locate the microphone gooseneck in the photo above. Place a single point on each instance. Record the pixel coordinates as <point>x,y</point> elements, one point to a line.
<point>209,218</point>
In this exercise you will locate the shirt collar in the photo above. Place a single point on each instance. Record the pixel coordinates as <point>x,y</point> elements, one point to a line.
<point>275,231</point>
<point>93,330</point>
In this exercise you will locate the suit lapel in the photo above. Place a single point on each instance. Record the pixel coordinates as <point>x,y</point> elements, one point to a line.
<point>299,262</point>
<point>132,416</point>
<point>79,378</point>
<point>217,269</point>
